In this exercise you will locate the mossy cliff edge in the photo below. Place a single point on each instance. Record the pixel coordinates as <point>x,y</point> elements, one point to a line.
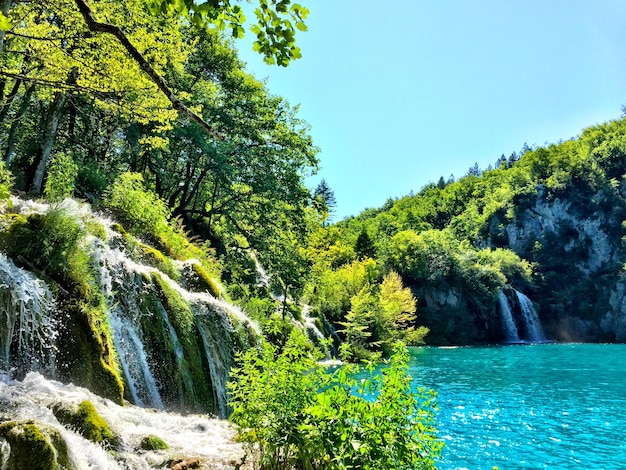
<point>119,324</point>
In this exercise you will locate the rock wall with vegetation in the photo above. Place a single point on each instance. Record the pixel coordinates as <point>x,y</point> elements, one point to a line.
<point>547,222</point>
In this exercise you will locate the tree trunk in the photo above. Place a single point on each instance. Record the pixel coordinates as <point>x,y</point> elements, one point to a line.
<point>43,155</point>
<point>9,153</point>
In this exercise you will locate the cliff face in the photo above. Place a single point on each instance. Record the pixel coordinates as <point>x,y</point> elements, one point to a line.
<point>575,243</point>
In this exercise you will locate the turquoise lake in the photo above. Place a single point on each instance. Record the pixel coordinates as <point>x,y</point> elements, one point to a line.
<point>556,406</point>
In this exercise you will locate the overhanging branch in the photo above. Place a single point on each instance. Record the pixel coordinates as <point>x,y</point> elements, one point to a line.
<point>158,80</point>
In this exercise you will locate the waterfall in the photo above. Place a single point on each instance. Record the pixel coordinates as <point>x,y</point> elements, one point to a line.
<point>530,318</point>
<point>134,361</point>
<point>27,330</point>
<point>122,287</point>
<point>174,347</point>
<point>510,329</point>
<point>188,436</point>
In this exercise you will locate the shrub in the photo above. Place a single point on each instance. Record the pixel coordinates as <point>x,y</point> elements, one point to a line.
<point>61,178</point>
<point>145,215</point>
<point>6,184</point>
<point>293,413</point>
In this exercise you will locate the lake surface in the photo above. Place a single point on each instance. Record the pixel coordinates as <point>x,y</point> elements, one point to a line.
<point>556,406</point>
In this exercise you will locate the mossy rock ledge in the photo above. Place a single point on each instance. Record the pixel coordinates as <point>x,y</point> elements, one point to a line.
<point>87,422</point>
<point>32,446</point>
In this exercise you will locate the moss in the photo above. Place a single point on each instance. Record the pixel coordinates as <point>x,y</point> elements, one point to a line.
<point>205,281</point>
<point>153,442</point>
<point>181,317</point>
<point>156,259</point>
<point>34,447</point>
<point>86,354</point>
<point>86,421</point>
<point>119,229</point>
<point>16,235</point>
<point>96,228</point>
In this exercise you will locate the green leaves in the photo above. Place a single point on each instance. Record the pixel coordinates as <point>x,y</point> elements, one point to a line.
<point>5,23</point>
<point>294,414</point>
<point>275,29</point>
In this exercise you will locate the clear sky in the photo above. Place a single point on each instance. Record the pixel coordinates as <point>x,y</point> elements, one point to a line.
<point>400,93</point>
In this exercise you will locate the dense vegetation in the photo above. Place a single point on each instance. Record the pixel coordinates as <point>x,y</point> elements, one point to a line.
<point>548,221</point>
<point>149,114</point>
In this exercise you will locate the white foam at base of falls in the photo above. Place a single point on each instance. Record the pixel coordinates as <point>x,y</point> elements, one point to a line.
<point>190,436</point>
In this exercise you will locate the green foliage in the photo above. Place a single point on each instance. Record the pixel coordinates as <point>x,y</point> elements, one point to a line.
<point>364,246</point>
<point>275,28</point>
<point>144,214</point>
<point>6,185</point>
<point>139,210</point>
<point>53,242</point>
<point>328,419</point>
<point>61,178</point>
<point>87,422</point>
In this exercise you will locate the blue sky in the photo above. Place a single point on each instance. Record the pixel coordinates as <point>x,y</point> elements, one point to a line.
<point>401,93</point>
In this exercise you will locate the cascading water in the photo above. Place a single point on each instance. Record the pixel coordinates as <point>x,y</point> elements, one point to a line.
<point>174,347</point>
<point>122,286</point>
<point>27,330</point>
<point>531,319</point>
<point>209,441</point>
<point>510,329</point>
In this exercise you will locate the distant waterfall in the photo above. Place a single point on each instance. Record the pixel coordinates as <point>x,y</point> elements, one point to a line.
<point>510,329</point>
<point>531,319</point>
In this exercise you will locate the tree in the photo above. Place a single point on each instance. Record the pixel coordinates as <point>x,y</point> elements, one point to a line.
<point>399,307</point>
<point>324,201</point>
<point>113,47</point>
<point>364,246</point>
<point>275,28</point>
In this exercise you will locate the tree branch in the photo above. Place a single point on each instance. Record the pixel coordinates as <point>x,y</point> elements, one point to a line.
<point>158,80</point>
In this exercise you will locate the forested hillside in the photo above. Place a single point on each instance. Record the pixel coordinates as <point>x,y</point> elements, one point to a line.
<point>548,222</point>
<point>226,162</point>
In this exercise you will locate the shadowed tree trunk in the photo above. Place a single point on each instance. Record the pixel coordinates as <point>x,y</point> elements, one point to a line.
<point>42,158</point>
<point>10,149</point>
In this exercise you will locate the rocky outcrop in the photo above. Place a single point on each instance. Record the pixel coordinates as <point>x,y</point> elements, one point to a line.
<point>575,244</point>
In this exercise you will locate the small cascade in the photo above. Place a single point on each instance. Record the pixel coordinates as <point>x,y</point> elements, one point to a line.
<point>27,330</point>
<point>134,361</point>
<point>122,288</point>
<point>510,329</point>
<point>313,332</point>
<point>531,319</point>
<point>188,436</point>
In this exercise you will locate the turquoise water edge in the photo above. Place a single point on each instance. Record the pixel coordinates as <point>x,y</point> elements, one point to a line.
<point>557,406</point>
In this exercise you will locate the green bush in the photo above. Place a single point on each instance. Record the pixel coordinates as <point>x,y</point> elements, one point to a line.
<point>293,413</point>
<point>61,178</point>
<point>145,215</point>
<point>6,184</point>
<point>140,211</point>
